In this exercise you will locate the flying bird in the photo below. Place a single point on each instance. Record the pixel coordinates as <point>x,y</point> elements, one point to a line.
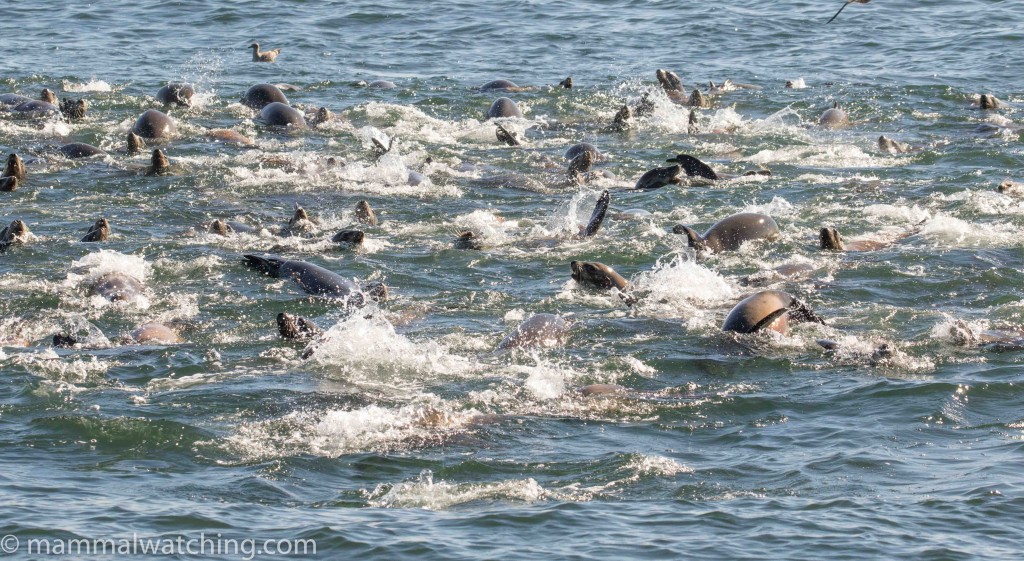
<point>848,2</point>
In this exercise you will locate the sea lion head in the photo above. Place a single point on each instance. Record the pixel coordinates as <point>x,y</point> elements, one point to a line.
<point>134,143</point>
<point>221,228</point>
<point>15,167</point>
<point>365,214</point>
<point>831,240</point>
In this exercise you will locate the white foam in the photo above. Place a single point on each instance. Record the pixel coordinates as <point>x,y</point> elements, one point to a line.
<point>368,350</point>
<point>681,287</point>
<point>92,85</point>
<point>426,494</point>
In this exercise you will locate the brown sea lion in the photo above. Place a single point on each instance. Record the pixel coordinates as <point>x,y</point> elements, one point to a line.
<point>365,214</point>
<point>503,107</point>
<point>768,309</point>
<point>154,124</point>
<point>834,118</point>
<point>729,233</point>
<point>15,234</point>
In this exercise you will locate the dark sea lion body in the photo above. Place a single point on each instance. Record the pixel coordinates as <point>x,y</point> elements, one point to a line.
<point>503,107</point>
<point>313,279</point>
<point>99,231</point>
<point>729,233</point>
<point>153,124</point>
<point>540,330</point>
<point>834,118</point>
<point>16,233</point>
<point>768,309</point>
<point>349,237</point>
<point>277,114</point>
<point>498,85</point>
<point>596,275</point>
<point>176,94</point>
<point>36,106</point>
<point>13,100</point>
<point>660,177</point>
<point>260,95</point>
<point>576,149</point>
<point>117,287</point>
<point>80,150</point>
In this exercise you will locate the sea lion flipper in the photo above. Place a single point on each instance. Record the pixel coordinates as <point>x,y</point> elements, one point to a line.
<point>694,167</point>
<point>268,265</point>
<point>693,239</point>
<point>597,217</point>
<point>798,312</point>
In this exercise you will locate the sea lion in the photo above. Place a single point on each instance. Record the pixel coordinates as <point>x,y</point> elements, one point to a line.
<point>260,95</point>
<point>1010,187</point>
<point>80,150</point>
<point>15,234</point>
<point>48,104</point>
<point>263,56</point>
<point>644,106</point>
<point>831,240</point>
<point>134,143</point>
<point>154,124</point>
<point>468,239</point>
<point>694,167</point>
<point>116,287</point>
<point>891,146</point>
<point>540,330</point>
<point>277,114</point>
<point>597,275</point>
<point>692,126</point>
<point>623,119</point>
<point>155,333</point>
<point>296,328</point>
<point>576,149</point>
<point>228,227</point>
<point>503,86</point>
<point>229,136</point>
<point>567,83</point>
<point>382,85</point>
<point>578,167</point>
<point>506,136</point>
<point>659,177</point>
<point>697,99</point>
<point>98,232</point>
<point>73,109</point>
<point>843,7</point>
<point>159,164</point>
<point>313,279</point>
<point>989,101</point>
<point>729,233</point>
<point>503,107</point>
<point>365,214</point>
<point>9,184</point>
<point>601,390</point>
<point>15,167</point>
<point>349,237</point>
<point>176,94</point>
<point>768,309</point>
<point>13,100</point>
<point>834,118</point>
<point>669,81</point>
<point>322,115</point>
<point>299,223</point>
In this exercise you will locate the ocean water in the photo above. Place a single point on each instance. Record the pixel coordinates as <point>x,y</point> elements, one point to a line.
<point>403,434</point>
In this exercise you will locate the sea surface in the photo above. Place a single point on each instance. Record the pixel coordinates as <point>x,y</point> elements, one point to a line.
<point>404,434</point>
